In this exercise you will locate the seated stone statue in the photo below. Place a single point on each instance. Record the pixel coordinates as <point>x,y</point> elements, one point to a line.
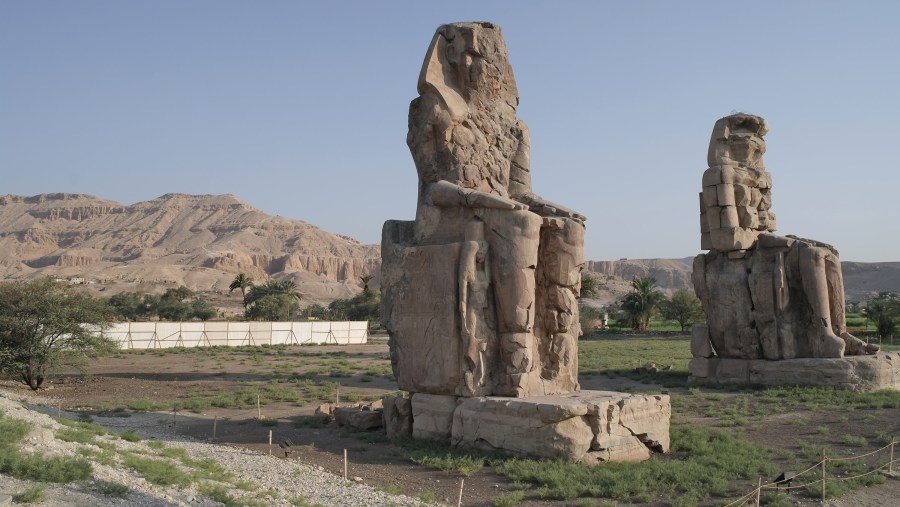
<point>487,275</point>
<point>765,296</point>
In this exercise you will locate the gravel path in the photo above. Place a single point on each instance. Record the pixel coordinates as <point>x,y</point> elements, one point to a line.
<point>273,481</point>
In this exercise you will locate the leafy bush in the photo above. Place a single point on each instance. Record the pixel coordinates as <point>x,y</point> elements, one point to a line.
<point>32,494</point>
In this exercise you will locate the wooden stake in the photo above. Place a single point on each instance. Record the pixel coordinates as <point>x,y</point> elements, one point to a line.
<point>258,410</point>
<point>758,490</point>
<point>345,464</point>
<point>59,410</point>
<point>215,421</point>
<point>174,411</point>
<point>270,442</point>
<point>823,475</point>
<point>337,396</point>
<point>462,483</point>
<point>891,462</point>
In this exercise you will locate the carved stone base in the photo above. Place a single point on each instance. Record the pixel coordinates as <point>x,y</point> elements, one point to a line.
<point>585,426</point>
<point>859,373</point>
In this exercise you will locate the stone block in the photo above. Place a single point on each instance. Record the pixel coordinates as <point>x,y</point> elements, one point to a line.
<point>585,426</point>
<point>733,371</point>
<point>859,373</point>
<point>432,416</point>
<point>703,367</point>
<point>725,194</point>
<point>737,254</point>
<point>366,419</point>
<point>712,176</point>
<point>705,241</point>
<point>728,217</point>
<point>397,416</point>
<point>713,218</point>
<point>743,195</point>
<point>704,223</point>
<point>700,345</point>
<point>710,196</point>
<point>5,500</point>
<point>748,217</point>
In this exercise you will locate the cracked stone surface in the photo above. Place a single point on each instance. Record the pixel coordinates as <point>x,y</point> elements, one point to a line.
<point>585,426</point>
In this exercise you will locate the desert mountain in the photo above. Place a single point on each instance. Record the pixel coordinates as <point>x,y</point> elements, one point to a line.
<point>197,241</point>
<point>203,241</point>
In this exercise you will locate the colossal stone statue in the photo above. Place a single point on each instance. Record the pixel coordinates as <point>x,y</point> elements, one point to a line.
<point>488,274</point>
<point>765,296</point>
<point>480,292</point>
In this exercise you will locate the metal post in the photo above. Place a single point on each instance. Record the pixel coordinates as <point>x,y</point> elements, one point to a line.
<point>270,442</point>
<point>258,410</point>
<point>215,422</point>
<point>345,464</point>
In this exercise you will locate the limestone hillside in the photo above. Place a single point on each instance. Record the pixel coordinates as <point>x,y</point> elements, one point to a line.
<point>203,241</point>
<point>198,241</point>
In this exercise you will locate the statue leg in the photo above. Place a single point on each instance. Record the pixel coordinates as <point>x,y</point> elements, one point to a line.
<point>813,275</point>
<point>513,238</point>
<point>853,346</point>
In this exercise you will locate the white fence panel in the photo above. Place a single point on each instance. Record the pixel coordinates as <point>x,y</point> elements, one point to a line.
<point>157,335</point>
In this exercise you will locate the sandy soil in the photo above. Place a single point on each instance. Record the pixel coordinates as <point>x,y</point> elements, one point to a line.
<point>165,378</point>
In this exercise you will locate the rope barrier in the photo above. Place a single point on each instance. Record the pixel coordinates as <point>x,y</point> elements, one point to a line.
<point>823,480</point>
<point>861,455</point>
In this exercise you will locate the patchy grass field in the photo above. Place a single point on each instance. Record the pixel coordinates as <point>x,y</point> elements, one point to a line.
<point>723,440</point>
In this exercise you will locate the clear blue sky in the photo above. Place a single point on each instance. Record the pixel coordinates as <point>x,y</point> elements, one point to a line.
<point>300,108</point>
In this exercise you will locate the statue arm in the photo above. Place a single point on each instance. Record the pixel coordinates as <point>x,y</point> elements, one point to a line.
<point>545,208</point>
<point>449,195</point>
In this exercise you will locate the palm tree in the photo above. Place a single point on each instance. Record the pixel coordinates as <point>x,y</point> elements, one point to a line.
<point>365,281</point>
<point>640,303</point>
<point>272,288</point>
<point>241,281</point>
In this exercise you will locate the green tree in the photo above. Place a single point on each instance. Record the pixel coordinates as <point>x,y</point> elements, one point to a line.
<point>337,309</point>
<point>316,311</point>
<point>174,305</point>
<point>278,307</point>
<point>44,324</point>
<point>287,293</point>
<point>201,309</point>
<point>242,282</point>
<point>683,307</point>
<point>640,303</point>
<point>884,311</point>
<point>128,305</point>
<point>589,286</point>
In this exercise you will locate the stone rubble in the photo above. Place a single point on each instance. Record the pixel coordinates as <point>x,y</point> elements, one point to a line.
<point>289,479</point>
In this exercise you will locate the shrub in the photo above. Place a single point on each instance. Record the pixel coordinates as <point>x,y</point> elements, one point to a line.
<point>32,494</point>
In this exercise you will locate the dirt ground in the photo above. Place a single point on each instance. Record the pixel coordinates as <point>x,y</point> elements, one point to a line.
<point>165,378</point>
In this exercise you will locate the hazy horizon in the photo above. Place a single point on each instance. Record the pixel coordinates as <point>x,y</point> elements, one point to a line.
<point>300,109</point>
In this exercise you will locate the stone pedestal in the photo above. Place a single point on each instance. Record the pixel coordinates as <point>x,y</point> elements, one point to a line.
<point>585,426</point>
<point>859,373</point>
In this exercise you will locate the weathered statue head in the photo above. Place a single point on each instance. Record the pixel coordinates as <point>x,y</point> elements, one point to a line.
<point>463,126</point>
<point>736,188</point>
<point>468,63</point>
<point>738,139</point>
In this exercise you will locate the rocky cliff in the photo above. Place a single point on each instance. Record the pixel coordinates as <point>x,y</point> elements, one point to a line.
<point>198,241</point>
